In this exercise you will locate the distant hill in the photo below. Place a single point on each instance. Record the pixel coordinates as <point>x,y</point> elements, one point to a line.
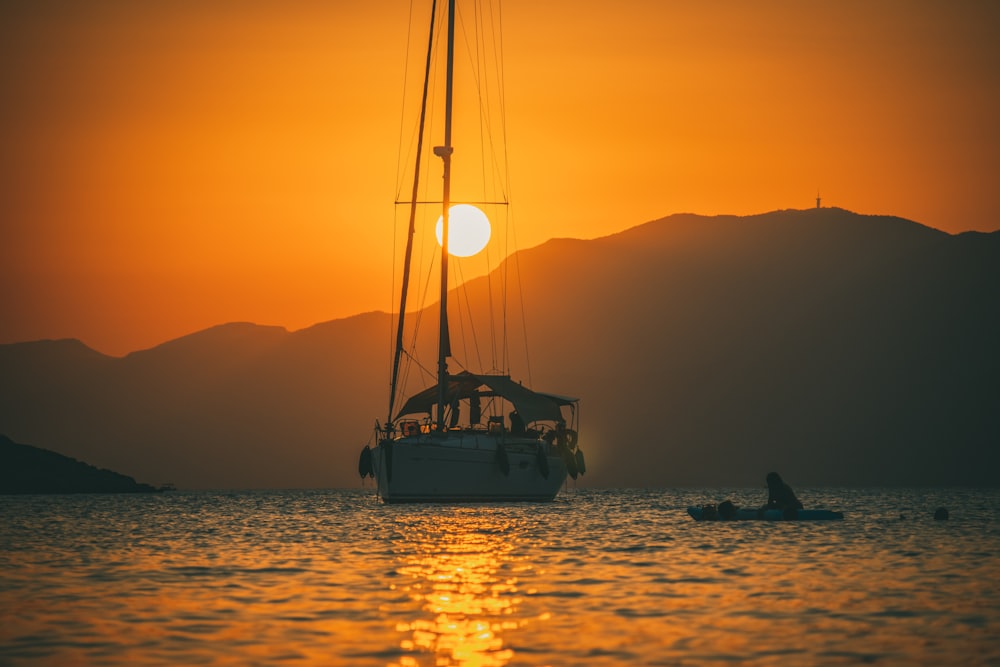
<point>833,347</point>
<point>27,469</point>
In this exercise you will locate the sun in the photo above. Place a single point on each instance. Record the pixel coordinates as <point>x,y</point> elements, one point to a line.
<point>468,230</point>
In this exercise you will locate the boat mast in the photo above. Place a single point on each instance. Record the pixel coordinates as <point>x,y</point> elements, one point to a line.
<point>413,222</point>
<point>444,152</point>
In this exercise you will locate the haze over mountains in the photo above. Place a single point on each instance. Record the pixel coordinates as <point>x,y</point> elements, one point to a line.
<point>833,347</point>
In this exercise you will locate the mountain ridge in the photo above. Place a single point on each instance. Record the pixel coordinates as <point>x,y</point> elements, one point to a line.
<point>835,347</point>
<point>32,470</point>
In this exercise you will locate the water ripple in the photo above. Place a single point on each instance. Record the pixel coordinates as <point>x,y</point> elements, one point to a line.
<point>601,577</point>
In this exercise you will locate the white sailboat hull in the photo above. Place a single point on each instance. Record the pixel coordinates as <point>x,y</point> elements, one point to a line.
<point>465,468</point>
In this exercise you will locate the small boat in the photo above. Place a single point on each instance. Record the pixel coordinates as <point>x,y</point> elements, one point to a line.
<point>711,513</point>
<point>469,436</point>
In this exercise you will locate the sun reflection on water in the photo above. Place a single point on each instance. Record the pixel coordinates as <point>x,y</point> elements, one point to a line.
<point>461,572</point>
<point>608,578</point>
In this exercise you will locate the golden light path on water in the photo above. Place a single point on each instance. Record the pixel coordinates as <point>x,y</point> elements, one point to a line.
<point>463,573</point>
<point>598,577</point>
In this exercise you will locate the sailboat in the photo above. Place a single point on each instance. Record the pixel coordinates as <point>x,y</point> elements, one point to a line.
<point>469,436</point>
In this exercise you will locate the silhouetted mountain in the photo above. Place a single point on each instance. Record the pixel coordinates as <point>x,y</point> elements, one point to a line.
<point>27,469</point>
<point>833,347</point>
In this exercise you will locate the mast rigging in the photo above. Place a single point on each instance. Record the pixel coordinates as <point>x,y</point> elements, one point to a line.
<point>408,254</point>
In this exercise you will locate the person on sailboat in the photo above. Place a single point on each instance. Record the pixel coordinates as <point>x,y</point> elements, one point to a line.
<point>779,495</point>
<point>516,423</point>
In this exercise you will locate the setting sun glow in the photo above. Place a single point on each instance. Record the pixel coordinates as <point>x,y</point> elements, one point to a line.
<point>172,166</point>
<point>468,230</point>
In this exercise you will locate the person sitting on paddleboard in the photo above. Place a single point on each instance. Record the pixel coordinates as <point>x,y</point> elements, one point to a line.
<point>779,495</point>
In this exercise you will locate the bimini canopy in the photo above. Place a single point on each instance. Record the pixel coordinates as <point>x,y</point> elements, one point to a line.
<point>531,405</point>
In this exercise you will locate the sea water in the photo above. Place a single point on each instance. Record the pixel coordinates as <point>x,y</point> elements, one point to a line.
<point>598,577</point>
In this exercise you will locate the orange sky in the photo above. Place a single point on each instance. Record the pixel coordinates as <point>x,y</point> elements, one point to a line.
<point>172,165</point>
